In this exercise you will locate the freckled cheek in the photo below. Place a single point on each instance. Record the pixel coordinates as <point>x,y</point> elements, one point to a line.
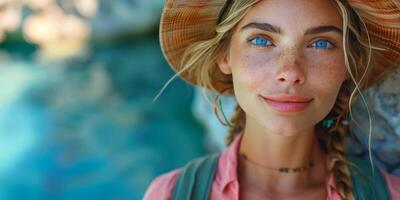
<point>329,75</point>
<point>330,65</point>
<point>251,69</point>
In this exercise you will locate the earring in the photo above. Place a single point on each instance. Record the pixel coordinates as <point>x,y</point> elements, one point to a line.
<point>328,123</point>
<point>218,107</point>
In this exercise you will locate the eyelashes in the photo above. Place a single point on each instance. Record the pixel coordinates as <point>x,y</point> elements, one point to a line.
<point>262,41</point>
<point>322,44</point>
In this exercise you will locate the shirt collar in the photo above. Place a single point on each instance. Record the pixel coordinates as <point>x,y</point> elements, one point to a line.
<point>228,162</point>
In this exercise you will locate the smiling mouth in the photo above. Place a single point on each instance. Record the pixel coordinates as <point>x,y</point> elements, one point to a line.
<point>288,98</point>
<point>287,105</point>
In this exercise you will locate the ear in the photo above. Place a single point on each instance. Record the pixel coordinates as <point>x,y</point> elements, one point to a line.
<point>223,65</point>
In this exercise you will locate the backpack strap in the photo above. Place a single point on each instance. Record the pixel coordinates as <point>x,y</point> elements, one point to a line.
<point>368,183</point>
<point>196,178</point>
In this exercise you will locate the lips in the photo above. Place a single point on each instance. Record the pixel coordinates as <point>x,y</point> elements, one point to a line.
<point>287,103</point>
<point>288,98</point>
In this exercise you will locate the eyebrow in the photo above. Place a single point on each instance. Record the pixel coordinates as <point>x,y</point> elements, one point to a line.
<point>275,29</point>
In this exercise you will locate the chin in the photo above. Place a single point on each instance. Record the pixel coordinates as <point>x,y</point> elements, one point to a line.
<point>286,128</point>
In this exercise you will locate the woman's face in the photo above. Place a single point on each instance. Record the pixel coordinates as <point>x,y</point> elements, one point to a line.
<point>287,63</point>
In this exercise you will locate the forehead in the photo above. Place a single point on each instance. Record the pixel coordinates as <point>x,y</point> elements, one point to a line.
<point>294,15</point>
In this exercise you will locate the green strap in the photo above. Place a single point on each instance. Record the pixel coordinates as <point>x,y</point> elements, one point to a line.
<point>368,183</point>
<point>196,178</point>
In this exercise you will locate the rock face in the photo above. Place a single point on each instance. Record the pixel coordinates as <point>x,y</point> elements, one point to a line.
<point>384,104</point>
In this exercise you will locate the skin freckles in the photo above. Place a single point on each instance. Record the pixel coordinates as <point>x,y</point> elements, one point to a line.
<point>285,59</point>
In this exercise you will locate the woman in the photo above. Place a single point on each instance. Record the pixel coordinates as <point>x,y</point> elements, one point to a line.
<point>295,67</point>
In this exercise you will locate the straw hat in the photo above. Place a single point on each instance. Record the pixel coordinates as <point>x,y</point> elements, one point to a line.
<point>184,22</point>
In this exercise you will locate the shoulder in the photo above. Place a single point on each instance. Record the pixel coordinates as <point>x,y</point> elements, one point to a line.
<point>161,188</point>
<point>393,183</point>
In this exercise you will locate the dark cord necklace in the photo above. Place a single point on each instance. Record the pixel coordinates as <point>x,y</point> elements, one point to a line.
<point>281,169</point>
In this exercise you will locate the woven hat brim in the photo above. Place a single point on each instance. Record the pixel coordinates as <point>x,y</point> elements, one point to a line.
<point>184,23</point>
<point>382,19</point>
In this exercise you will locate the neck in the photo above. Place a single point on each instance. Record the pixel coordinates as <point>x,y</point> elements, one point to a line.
<point>276,150</point>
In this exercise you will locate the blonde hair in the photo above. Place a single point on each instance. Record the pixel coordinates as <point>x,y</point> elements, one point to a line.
<point>200,60</point>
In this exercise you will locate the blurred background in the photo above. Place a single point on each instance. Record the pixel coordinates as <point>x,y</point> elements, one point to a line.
<point>77,80</point>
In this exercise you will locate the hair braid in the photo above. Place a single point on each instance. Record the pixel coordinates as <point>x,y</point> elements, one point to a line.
<point>338,164</point>
<point>335,147</point>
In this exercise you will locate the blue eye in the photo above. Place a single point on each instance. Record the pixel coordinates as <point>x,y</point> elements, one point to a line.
<point>260,41</point>
<point>322,44</point>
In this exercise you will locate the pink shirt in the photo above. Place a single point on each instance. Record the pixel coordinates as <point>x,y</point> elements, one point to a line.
<point>226,186</point>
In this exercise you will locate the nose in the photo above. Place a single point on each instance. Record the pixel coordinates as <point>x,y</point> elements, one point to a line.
<point>290,72</point>
<point>291,77</point>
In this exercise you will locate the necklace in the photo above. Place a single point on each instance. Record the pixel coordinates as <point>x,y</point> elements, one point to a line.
<point>281,169</point>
